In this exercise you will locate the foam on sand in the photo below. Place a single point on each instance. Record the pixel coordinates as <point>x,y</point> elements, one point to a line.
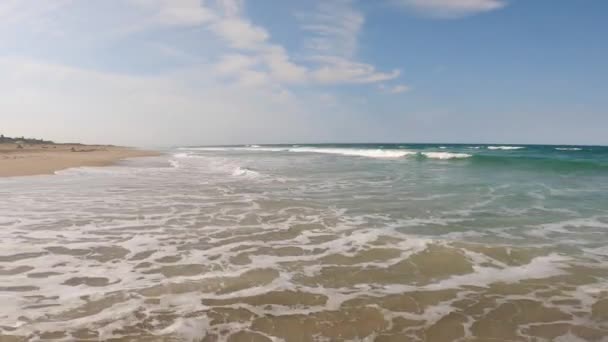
<point>540,267</point>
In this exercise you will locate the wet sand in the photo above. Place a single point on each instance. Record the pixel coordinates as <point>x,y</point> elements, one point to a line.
<point>46,159</point>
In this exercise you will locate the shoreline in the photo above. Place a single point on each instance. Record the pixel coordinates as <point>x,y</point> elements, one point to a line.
<point>43,159</point>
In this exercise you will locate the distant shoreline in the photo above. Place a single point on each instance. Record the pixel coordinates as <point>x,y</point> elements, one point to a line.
<point>39,159</point>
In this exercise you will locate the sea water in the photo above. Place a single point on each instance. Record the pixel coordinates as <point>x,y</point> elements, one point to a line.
<point>342,242</point>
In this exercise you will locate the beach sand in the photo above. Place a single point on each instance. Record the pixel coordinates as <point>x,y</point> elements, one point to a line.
<point>46,159</point>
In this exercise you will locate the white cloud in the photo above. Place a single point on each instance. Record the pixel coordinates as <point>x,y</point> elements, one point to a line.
<point>230,8</point>
<point>398,89</point>
<point>22,11</point>
<point>239,33</point>
<point>451,8</point>
<point>210,75</point>
<point>260,61</point>
<point>235,63</point>
<point>395,89</point>
<point>341,70</point>
<point>73,104</point>
<point>171,52</point>
<point>255,60</point>
<point>282,68</point>
<point>335,26</point>
<point>176,12</point>
<point>253,78</point>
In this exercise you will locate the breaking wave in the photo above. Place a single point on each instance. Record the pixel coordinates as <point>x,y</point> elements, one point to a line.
<point>446,155</point>
<point>376,153</point>
<point>505,147</point>
<point>243,171</point>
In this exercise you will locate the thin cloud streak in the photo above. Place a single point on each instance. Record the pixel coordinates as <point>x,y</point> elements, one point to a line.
<point>450,9</point>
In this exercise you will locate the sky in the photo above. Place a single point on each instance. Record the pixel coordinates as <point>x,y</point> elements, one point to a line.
<point>193,72</point>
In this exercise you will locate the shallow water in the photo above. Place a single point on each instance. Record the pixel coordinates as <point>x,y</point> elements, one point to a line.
<point>312,243</point>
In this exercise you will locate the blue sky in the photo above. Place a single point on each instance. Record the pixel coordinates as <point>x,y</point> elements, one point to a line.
<point>171,72</point>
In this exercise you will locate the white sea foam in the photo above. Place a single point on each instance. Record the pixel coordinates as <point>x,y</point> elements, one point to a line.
<point>189,329</point>
<point>243,171</point>
<point>248,148</point>
<point>445,155</point>
<point>214,212</point>
<point>505,147</point>
<point>378,153</point>
<point>213,164</point>
<point>90,170</point>
<point>353,152</point>
<point>568,148</point>
<point>181,155</point>
<point>262,149</point>
<point>218,149</point>
<point>371,153</point>
<point>540,267</point>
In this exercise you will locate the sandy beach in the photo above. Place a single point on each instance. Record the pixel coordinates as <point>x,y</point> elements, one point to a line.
<point>45,159</point>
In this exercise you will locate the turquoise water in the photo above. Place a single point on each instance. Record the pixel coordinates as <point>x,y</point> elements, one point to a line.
<point>501,192</point>
<point>554,157</point>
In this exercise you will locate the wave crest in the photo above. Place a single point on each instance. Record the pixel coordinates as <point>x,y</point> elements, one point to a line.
<point>378,153</point>
<point>568,148</point>
<point>243,171</point>
<point>505,147</point>
<point>446,155</point>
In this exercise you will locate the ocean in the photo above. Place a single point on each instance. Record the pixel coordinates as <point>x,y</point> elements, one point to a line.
<point>326,242</point>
